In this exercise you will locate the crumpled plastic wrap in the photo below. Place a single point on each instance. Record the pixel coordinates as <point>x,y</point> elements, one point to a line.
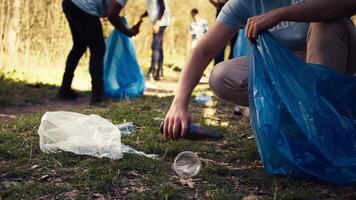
<point>82,134</point>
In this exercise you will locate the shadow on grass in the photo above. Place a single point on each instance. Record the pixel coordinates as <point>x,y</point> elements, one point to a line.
<point>18,97</point>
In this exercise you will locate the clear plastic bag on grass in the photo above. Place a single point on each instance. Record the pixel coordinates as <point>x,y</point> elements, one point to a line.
<point>84,135</point>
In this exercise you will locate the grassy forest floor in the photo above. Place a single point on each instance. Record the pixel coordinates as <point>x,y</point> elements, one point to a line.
<point>231,167</point>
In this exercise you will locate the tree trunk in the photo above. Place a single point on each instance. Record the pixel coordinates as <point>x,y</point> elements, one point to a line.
<point>14,27</point>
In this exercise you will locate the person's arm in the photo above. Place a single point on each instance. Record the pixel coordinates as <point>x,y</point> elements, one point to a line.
<point>143,15</point>
<point>306,11</point>
<point>162,8</point>
<point>114,18</point>
<point>177,118</point>
<point>215,3</point>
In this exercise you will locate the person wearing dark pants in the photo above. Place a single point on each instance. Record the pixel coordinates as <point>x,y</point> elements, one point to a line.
<point>160,16</point>
<point>157,54</point>
<point>84,21</point>
<point>220,57</point>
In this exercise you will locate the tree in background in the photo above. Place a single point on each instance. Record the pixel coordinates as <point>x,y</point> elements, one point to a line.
<point>13,29</point>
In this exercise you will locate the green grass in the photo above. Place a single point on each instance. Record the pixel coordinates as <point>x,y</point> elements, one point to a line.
<point>231,167</point>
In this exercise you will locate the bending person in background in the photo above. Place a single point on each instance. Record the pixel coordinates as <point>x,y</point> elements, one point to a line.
<point>198,27</point>
<point>220,57</point>
<point>160,15</point>
<point>83,18</point>
<point>331,42</point>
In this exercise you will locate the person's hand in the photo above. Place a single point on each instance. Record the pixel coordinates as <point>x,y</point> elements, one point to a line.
<point>156,26</point>
<point>134,30</point>
<point>257,24</point>
<point>176,122</point>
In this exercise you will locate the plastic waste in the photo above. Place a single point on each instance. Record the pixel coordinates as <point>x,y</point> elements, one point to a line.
<point>187,164</point>
<point>84,135</point>
<point>198,132</point>
<point>204,99</point>
<point>123,77</point>
<point>126,129</point>
<point>303,115</point>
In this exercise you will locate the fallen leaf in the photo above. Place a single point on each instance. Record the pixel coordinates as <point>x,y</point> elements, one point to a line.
<point>98,196</point>
<point>34,166</point>
<point>187,182</point>
<point>44,177</point>
<point>72,194</point>
<point>251,197</point>
<point>133,173</point>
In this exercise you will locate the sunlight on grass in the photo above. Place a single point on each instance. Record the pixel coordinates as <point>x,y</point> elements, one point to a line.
<point>36,70</point>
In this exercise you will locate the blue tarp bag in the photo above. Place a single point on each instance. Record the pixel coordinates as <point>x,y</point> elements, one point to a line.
<point>303,115</point>
<point>240,46</point>
<point>123,77</point>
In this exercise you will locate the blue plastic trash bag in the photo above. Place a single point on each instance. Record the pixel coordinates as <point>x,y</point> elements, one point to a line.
<point>240,46</point>
<point>123,78</point>
<point>303,115</point>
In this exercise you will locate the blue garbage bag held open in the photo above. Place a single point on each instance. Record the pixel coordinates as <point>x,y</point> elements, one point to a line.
<point>303,115</point>
<point>123,77</point>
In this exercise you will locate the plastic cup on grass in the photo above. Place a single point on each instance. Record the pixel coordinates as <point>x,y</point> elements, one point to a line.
<point>187,164</point>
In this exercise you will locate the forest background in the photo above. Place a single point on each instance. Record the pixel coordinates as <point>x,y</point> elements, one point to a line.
<point>35,38</point>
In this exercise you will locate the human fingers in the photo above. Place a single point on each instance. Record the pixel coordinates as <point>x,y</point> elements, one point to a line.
<point>184,129</point>
<point>170,128</point>
<point>249,28</point>
<point>176,128</point>
<point>166,128</point>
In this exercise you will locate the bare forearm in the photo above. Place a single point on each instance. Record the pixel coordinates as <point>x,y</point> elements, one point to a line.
<point>317,10</point>
<point>213,41</point>
<point>118,24</point>
<point>190,77</point>
<point>214,2</point>
<point>114,17</point>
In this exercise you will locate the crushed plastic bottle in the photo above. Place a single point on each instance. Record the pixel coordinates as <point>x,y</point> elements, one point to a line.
<point>204,100</point>
<point>126,129</point>
<point>187,164</point>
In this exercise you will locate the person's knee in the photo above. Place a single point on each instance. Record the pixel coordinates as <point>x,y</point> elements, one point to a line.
<point>216,80</point>
<point>220,81</point>
<point>79,49</point>
<point>229,84</point>
<point>156,46</point>
<point>98,52</point>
